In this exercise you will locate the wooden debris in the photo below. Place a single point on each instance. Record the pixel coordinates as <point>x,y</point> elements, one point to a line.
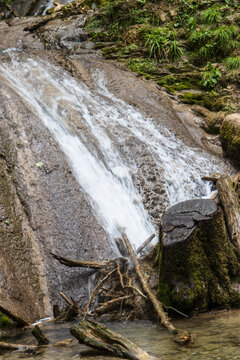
<point>157,305</point>
<point>95,291</point>
<point>231,208</point>
<point>56,311</point>
<point>142,247</point>
<point>111,305</point>
<point>80,263</point>
<point>39,335</point>
<point>20,347</point>
<point>17,320</point>
<point>98,336</point>
<point>121,247</point>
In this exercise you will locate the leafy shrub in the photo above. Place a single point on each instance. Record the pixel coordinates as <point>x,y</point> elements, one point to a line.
<point>233,63</point>
<point>210,76</point>
<point>211,16</point>
<point>162,43</point>
<point>207,43</point>
<point>200,37</point>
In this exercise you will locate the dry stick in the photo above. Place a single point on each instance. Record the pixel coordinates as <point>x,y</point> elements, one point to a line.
<point>65,298</point>
<point>79,263</point>
<point>111,305</point>
<point>39,335</point>
<point>86,310</point>
<point>71,302</point>
<point>11,9</point>
<point>158,306</point>
<point>231,208</point>
<point>77,306</point>
<point>129,284</point>
<point>140,249</point>
<point>20,347</point>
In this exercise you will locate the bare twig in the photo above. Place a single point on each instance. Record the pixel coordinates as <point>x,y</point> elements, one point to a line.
<point>86,310</point>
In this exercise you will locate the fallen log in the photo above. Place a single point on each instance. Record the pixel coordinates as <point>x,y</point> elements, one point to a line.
<point>19,347</point>
<point>98,336</point>
<point>17,320</point>
<point>39,335</point>
<point>231,208</point>
<point>183,336</point>
<point>111,305</point>
<point>79,263</point>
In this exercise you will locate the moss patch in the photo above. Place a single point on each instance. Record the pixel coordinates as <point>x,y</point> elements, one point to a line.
<point>230,139</point>
<point>5,322</point>
<point>196,276</point>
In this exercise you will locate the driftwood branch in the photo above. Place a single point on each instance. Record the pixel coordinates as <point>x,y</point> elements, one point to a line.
<point>39,335</point>
<point>157,305</point>
<point>142,247</point>
<point>79,263</point>
<point>231,208</point>
<point>111,305</point>
<point>98,336</point>
<point>20,347</point>
<point>99,285</point>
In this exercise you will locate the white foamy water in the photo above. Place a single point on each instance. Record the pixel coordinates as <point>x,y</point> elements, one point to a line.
<point>55,97</point>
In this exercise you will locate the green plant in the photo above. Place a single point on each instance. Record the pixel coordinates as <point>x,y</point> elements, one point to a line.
<point>142,66</point>
<point>93,24</point>
<point>225,33</point>
<point>200,37</point>
<point>129,49</point>
<point>162,43</point>
<point>156,40</point>
<point>210,76</point>
<point>142,2</point>
<point>174,48</point>
<point>233,63</point>
<point>211,16</point>
<point>192,23</point>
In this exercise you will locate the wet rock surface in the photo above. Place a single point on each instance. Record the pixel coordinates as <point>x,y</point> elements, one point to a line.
<point>55,213</point>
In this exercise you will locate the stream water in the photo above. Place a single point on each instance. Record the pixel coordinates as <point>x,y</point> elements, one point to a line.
<point>216,338</point>
<point>91,126</point>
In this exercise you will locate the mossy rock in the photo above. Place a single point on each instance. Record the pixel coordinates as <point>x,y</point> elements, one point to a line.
<point>206,99</point>
<point>5,322</point>
<point>230,137</point>
<point>196,268</point>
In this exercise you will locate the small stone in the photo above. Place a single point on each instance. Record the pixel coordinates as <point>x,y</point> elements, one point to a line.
<point>64,343</point>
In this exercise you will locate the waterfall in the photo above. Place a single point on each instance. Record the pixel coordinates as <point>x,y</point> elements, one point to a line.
<point>89,125</point>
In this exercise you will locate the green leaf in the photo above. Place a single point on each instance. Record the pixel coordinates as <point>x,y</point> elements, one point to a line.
<point>39,164</point>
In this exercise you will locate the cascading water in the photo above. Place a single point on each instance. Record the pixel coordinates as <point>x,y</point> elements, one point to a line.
<point>92,146</point>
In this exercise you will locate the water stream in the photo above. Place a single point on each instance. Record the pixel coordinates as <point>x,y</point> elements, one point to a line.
<point>91,126</point>
<point>217,338</point>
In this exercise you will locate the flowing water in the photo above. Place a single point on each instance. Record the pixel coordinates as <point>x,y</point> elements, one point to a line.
<point>216,338</point>
<point>93,143</point>
<point>92,127</point>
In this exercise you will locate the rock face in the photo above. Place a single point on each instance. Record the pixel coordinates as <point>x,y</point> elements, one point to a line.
<point>43,208</point>
<point>230,137</point>
<point>197,259</point>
